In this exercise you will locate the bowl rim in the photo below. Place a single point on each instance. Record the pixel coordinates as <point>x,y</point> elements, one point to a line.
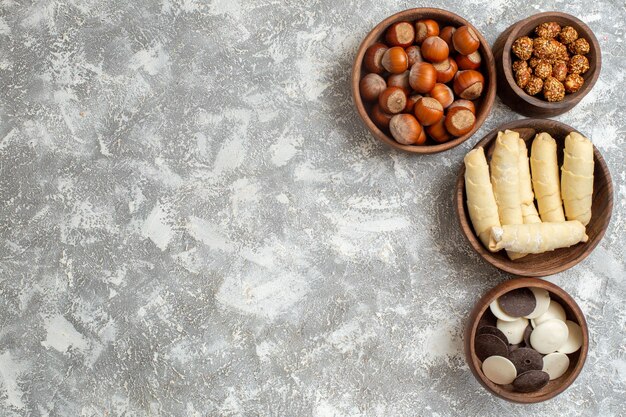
<point>376,32</point>
<point>570,100</point>
<point>481,307</point>
<point>508,265</point>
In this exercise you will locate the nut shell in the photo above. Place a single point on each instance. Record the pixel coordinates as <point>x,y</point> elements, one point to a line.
<point>423,77</point>
<point>446,70</point>
<point>380,118</point>
<point>414,54</point>
<point>465,40</point>
<point>468,84</point>
<point>425,28</point>
<point>395,60</point>
<point>372,61</point>
<point>428,111</point>
<point>371,86</point>
<point>443,94</point>
<point>434,49</point>
<point>392,100</point>
<point>400,34</point>
<point>405,129</point>
<point>459,121</point>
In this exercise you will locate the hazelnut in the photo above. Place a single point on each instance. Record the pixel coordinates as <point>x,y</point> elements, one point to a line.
<point>400,34</point>
<point>534,85</point>
<point>532,62</point>
<point>380,118</point>
<point>573,83</point>
<point>559,70</point>
<point>543,69</point>
<point>468,84</point>
<point>438,131</point>
<point>423,77</point>
<point>443,94</point>
<point>465,40</point>
<point>446,34</point>
<point>568,35</point>
<point>392,100</point>
<point>553,89</point>
<point>579,47</point>
<point>371,86</point>
<point>446,70</point>
<point>523,47</point>
<point>395,60</point>
<point>400,80</point>
<point>548,30</point>
<point>372,61</point>
<point>518,65</point>
<point>425,28</point>
<point>463,103</point>
<point>414,54</point>
<point>428,111</point>
<point>523,76</point>
<point>471,61</point>
<point>406,130</point>
<point>578,64</point>
<point>411,101</point>
<point>459,121</point>
<point>561,52</point>
<point>434,49</point>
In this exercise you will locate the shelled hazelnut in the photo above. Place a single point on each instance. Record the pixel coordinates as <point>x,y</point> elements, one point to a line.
<point>523,48</point>
<point>543,69</point>
<point>553,89</point>
<point>579,47</point>
<point>520,65</point>
<point>573,82</point>
<point>534,85</point>
<point>522,76</point>
<point>548,30</point>
<point>559,70</point>
<point>578,64</point>
<point>552,62</point>
<point>568,35</point>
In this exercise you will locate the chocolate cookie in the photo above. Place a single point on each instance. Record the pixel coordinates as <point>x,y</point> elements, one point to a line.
<point>488,319</point>
<point>489,345</point>
<point>527,331</point>
<point>531,381</point>
<point>526,359</point>
<point>517,303</point>
<point>492,330</point>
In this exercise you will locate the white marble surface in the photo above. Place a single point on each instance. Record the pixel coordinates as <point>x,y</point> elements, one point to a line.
<point>194,221</point>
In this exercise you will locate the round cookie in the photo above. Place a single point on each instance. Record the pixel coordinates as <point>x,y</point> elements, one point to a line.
<point>487,345</point>
<point>542,300</point>
<point>518,302</point>
<point>526,359</point>
<point>554,311</point>
<point>497,311</point>
<point>493,331</point>
<point>499,370</point>
<point>513,330</point>
<point>531,381</point>
<point>527,331</point>
<point>574,338</point>
<point>555,364</point>
<point>549,336</point>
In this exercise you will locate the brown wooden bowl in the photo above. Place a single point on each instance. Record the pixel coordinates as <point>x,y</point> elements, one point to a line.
<point>443,17</point>
<point>554,387</point>
<point>548,263</point>
<point>516,98</point>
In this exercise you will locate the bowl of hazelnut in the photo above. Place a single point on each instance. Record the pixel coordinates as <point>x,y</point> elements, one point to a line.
<point>546,64</point>
<point>423,80</point>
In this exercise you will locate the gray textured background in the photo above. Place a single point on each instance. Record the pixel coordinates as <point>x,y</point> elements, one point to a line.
<point>195,222</point>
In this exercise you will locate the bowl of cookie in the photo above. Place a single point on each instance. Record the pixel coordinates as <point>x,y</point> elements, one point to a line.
<point>526,340</point>
<point>546,64</point>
